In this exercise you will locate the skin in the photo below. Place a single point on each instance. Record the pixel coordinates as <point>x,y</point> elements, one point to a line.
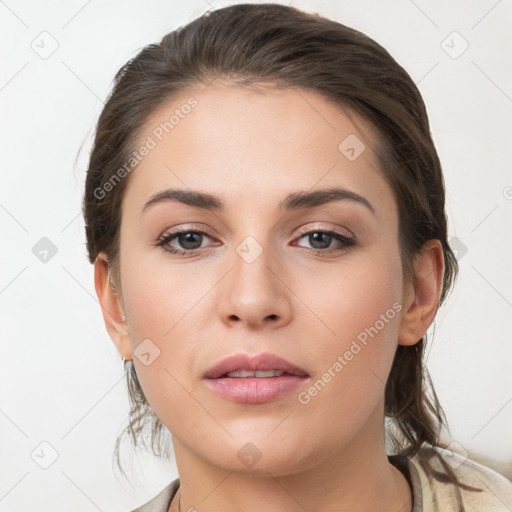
<point>328,454</point>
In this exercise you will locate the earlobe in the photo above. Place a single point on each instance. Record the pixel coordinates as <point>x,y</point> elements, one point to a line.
<point>421,300</point>
<point>111,307</point>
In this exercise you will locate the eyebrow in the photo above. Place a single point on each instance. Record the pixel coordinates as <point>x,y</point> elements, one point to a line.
<point>293,201</point>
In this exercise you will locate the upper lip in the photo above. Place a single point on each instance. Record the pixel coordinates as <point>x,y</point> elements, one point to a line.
<point>260,362</point>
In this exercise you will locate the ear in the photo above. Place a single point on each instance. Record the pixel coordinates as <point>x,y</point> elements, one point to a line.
<point>111,307</point>
<point>421,297</point>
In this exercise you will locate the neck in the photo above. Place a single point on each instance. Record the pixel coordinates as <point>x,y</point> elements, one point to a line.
<point>356,477</point>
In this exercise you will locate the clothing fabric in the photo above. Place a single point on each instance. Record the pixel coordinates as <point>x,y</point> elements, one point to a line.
<point>429,495</point>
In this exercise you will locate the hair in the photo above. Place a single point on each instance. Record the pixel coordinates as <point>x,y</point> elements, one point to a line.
<point>248,44</point>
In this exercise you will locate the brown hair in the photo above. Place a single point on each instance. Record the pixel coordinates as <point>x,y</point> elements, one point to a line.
<point>252,43</point>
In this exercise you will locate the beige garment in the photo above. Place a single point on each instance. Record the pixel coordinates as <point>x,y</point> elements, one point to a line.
<point>428,495</point>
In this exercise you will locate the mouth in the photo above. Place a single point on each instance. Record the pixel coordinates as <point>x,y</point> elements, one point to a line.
<point>244,365</point>
<point>244,374</point>
<point>256,379</point>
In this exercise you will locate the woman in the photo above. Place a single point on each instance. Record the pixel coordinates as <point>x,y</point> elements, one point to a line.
<point>264,209</point>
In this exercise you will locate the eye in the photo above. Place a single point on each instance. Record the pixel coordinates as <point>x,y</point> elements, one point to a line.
<point>189,240</point>
<point>321,240</point>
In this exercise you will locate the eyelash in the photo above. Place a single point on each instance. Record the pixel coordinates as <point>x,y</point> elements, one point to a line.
<point>348,242</point>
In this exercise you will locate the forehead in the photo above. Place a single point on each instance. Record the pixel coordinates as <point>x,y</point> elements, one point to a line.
<point>249,145</point>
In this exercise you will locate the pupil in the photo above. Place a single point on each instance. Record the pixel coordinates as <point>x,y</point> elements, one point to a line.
<point>314,240</point>
<point>187,241</point>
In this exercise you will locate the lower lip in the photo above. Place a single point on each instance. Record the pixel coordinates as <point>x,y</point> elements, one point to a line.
<point>255,390</point>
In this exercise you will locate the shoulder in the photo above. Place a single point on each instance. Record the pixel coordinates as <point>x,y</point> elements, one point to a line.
<point>162,501</point>
<point>482,488</point>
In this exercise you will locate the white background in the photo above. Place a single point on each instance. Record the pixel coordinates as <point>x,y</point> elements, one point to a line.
<point>61,379</point>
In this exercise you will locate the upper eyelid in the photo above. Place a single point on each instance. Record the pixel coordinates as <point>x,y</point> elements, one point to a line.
<point>308,229</point>
<point>180,231</point>
<point>338,231</point>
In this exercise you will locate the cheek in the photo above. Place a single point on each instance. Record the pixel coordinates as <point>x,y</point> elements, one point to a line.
<point>346,302</point>
<point>163,304</point>
<point>356,339</point>
<point>158,295</point>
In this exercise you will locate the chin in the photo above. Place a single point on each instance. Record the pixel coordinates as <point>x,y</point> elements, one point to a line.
<point>263,455</point>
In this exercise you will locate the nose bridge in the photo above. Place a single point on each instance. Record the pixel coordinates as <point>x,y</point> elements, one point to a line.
<point>254,262</point>
<point>255,246</point>
<point>254,292</point>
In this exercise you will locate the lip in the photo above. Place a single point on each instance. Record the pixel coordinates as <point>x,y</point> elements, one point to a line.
<point>254,390</point>
<point>265,361</point>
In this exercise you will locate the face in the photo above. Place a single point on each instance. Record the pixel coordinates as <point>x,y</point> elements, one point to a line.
<point>316,283</point>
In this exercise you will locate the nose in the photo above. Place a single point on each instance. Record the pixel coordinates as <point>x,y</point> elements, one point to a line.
<point>254,292</point>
